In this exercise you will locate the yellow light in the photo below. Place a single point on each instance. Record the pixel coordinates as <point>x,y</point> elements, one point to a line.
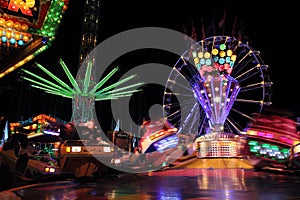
<point>11,69</point>
<point>196,60</point>
<point>200,54</point>
<point>251,132</point>
<point>215,52</point>
<point>207,55</point>
<point>47,169</point>
<point>2,21</point>
<point>30,3</point>
<point>20,63</point>
<point>233,58</point>
<point>68,149</point>
<point>229,52</point>
<point>295,142</point>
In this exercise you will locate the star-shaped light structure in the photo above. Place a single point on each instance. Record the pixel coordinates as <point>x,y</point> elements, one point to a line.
<point>84,92</point>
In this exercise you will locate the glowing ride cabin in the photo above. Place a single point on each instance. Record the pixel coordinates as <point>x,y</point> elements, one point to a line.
<point>160,135</point>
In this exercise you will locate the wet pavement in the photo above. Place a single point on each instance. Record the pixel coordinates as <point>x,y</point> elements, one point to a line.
<point>175,184</point>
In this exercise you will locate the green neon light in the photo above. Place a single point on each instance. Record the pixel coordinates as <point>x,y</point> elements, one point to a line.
<point>107,93</point>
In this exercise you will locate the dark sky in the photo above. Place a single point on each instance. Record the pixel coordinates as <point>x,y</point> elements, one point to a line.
<point>270,27</point>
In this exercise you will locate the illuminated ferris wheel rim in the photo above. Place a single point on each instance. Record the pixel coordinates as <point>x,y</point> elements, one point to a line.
<point>248,57</point>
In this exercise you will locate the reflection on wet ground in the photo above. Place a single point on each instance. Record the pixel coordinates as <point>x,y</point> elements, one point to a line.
<point>170,184</point>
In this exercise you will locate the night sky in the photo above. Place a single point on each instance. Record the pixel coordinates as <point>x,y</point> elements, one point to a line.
<point>270,28</point>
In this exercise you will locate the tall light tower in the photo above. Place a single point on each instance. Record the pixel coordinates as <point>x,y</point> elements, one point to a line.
<point>90,28</point>
<point>83,106</point>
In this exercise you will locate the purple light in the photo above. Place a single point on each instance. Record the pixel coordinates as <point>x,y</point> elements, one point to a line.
<point>269,135</point>
<point>51,133</point>
<point>216,94</point>
<point>261,134</point>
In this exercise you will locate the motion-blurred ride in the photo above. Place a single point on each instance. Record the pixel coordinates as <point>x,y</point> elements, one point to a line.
<point>37,149</point>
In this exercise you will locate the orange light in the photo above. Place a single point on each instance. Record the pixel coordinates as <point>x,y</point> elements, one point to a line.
<point>8,34</point>
<point>222,54</point>
<point>17,36</point>
<point>9,23</point>
<point>65,7</point>
<point>17,25</point>
<point>47,169</point>
<point>24,27</point>
<point>2,21</point>
<point>25,38</point>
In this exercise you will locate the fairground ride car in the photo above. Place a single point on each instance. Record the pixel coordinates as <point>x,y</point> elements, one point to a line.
<point>30,159</point>
<point>39,150</point>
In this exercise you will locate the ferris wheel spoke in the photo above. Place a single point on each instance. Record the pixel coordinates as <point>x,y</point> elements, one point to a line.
<point>234,124</point>
<point>242,114</point>
<point>248,63</point>
<point>248,74</point>
<point>189,122</point>
<point>250,101</point>
<point>180,85</point>
<point>254,86</point>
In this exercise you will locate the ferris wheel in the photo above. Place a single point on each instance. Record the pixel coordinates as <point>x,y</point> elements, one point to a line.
<point>216,84</point>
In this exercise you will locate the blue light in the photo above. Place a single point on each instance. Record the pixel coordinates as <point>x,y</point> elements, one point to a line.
<point>231,63</point>
<point>44,40</point>
<point>12,40</point>
<point>216,58</point>
<point>202,61</point>
<point>21,42</point>
<point>208,62</point>
<point>221,61</point>
<point>3,39</point>
<point>166,143</point>
<point>51,133</point>
<point>227,59</point>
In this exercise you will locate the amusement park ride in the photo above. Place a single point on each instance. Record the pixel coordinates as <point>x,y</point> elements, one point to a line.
<point>27,28</point>
<point>228,87</point>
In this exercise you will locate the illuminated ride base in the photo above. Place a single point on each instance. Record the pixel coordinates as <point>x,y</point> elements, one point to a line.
<point>227,81</point>
<point>219,145</point>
